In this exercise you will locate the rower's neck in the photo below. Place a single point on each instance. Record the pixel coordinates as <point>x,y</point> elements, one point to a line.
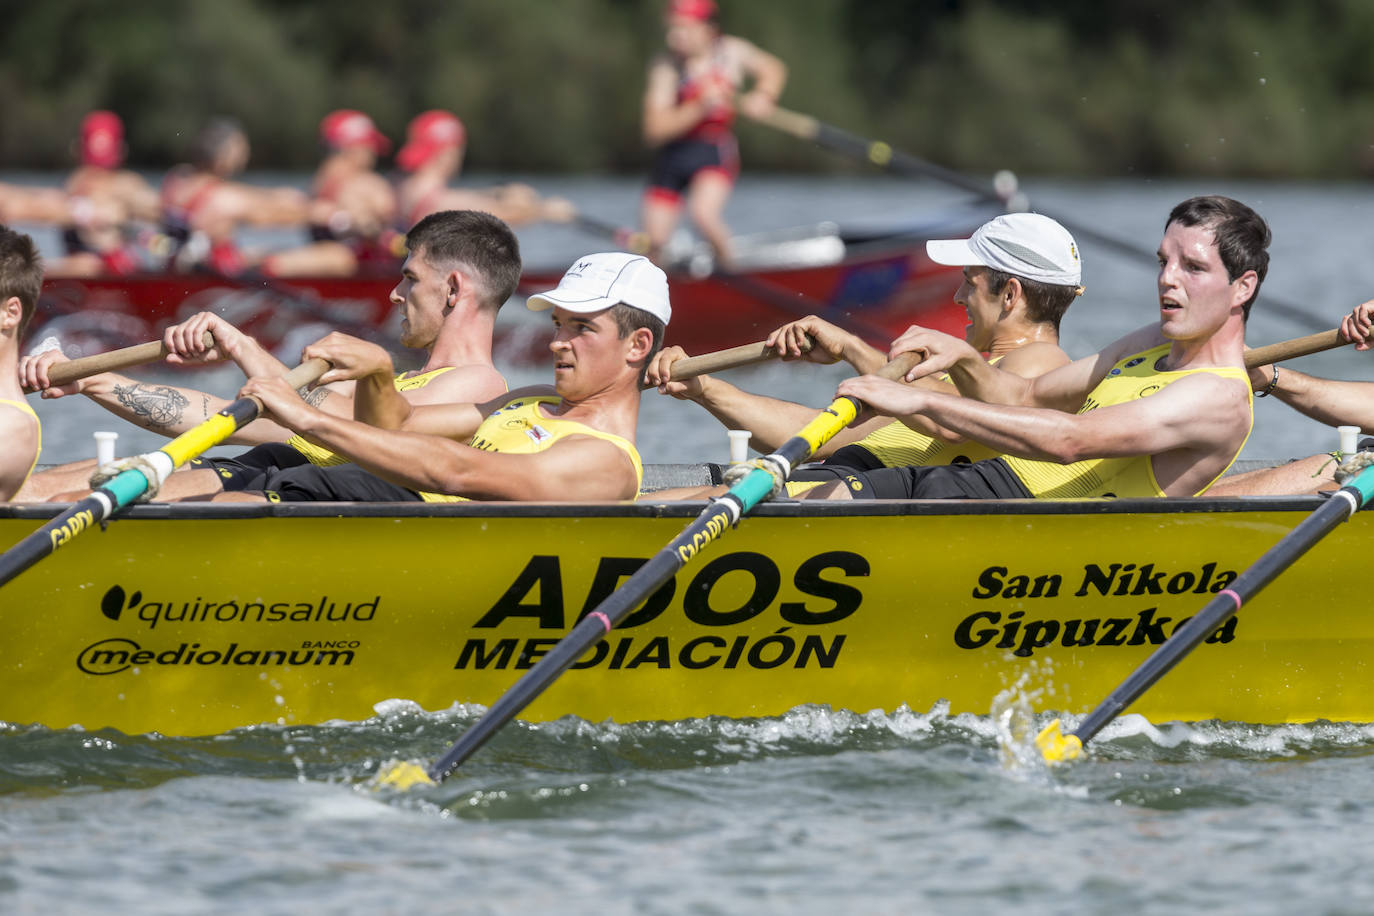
<point>1007,339</point>
<point>1224,348</point>
<point>464,340</point>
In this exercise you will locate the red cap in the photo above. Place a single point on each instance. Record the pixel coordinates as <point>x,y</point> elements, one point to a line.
<point>102,139</point>
<point>347,127</point>
<point>429,133</point>
<point>701,10</point>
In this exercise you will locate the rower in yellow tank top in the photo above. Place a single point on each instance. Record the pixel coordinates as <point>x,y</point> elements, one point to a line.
<point>520,427</point>
<point>323,457</point>
<point>23,407</point>
<point>1137,376</point>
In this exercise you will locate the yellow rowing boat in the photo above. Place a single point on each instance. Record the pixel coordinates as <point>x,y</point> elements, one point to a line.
<point>195,619</point>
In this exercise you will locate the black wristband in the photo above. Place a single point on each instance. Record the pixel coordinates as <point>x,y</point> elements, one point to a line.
<point>1273,383</point>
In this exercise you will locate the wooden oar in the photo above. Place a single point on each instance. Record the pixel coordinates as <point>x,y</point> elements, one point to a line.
<point>733,358</point>
<point>153,470</point>
<point>1292,349</point>
<point>1002,191</point>
<point>113,361</point>
<point>719,516</point>
<point>1056,746</point>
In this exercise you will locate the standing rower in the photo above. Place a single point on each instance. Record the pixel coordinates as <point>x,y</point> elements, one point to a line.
<point>689,107</point>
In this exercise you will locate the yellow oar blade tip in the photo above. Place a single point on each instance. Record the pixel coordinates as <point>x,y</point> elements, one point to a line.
<point>401,775</point>
<point>1057,747</point>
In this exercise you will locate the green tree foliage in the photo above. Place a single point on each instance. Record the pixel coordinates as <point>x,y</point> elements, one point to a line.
<point>1225,87</point>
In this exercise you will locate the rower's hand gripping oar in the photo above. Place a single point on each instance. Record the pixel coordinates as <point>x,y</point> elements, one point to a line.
<point>72,370</point>
<point>147,473</point>
<point>760,479</point>
<point>733,358</point>
<point>1056,747</point>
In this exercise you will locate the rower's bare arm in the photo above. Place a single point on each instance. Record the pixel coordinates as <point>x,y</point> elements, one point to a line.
<point>460,421</point>
<point>577,469</point>
<point>1329,401</point>
<point>769,75</point>
<point>664,118</point>
<point>19,432</point>
<point>1194,412</point>
<point>167,410</point>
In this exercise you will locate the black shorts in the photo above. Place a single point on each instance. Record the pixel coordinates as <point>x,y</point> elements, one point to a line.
<point>249,470</point>
<point>987,479</point>
<point>678,162</point>
<point>338,483</point>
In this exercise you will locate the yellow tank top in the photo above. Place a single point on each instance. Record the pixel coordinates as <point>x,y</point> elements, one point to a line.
<point>520,428</point>
<point>1133,378</point>
<point>318,454</point>
<point>23,407</point>
<point>897,445</point>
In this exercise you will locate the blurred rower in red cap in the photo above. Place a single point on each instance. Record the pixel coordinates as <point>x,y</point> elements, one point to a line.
<point>202,206</point>
<point>433,156</point>
<point>353,214</point>
<point>102,202</point>
<point>690,101</point>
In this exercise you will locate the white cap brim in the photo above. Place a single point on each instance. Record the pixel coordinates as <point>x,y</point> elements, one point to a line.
<point>541,301</point>
<point>953,252</point>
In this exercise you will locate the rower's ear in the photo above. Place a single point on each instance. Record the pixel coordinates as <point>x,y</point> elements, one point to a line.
<point>455,289</point>
<point>11,314</point>
<point>1243,287</point>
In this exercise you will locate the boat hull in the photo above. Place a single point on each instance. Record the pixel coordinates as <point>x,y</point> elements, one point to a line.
<point>195,620</point>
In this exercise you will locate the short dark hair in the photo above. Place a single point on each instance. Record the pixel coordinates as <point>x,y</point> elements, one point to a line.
<point>476,240</point>
<point>1046,303</point>
<point>21,273</point>
<point>1242,236</point>
<point>629,319</point>
<point>211,139</point>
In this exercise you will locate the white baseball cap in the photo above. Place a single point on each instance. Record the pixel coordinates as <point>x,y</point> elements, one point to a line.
<point>599,281</point>
<point>1022,244</point>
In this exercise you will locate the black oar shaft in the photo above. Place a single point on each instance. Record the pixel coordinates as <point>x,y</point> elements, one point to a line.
<point>1217,611</point>
<point>587,633</point>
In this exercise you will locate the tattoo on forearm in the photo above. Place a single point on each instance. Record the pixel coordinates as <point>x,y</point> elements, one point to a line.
<point>317,397</point>
<point>160,406</point>
<point>205,405</point>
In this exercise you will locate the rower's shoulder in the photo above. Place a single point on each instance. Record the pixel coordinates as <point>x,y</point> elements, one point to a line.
<point>473,383</point>
<point>1035,358</point>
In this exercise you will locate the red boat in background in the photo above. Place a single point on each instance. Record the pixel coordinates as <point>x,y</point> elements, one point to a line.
<point>873,280</point>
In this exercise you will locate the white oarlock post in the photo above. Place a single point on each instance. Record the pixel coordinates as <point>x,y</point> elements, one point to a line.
<point>739,445</point>
<point>1350,440</point>
<point>105,447</point>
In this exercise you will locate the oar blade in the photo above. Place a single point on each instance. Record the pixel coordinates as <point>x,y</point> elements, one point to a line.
<point>401,776</point>
<point>1057,747</point>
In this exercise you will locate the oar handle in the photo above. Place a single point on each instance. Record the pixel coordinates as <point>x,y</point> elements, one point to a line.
<point>307,372</point>
<point>733,358</point>
<point>792,122</point>
<point>113,361</point>
<point>1292,349</point>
